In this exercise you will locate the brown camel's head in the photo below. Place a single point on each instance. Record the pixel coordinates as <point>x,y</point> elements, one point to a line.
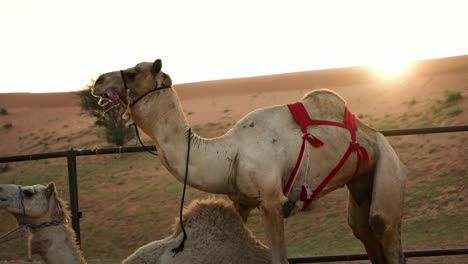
<point>129,85</point>
<point>40,202</point>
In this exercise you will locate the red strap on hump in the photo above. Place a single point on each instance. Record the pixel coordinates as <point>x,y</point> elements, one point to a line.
<point>301,116</point>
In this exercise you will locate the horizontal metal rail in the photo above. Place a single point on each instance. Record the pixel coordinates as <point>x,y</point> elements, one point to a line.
<point>408,254</point>
<point>76,152</point>
<point>428,130</point>
<point>89,152</point>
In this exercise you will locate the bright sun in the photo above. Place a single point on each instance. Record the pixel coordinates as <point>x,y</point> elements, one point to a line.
<point>392,68</point>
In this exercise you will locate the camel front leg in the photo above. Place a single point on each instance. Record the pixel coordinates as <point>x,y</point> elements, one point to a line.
<point>274,228</point>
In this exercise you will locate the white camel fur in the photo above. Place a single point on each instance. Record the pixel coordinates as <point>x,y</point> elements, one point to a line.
<point>252,162</point>
<point>55,244</point>
<point>215,234</point>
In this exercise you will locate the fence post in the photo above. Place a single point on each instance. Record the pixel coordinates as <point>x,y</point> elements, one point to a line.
<point>73,187</point>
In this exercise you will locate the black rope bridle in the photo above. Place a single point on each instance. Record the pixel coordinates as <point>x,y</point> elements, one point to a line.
<point>179,248</point>
<point>131,104</point>
<point>156,88</point>
<point>24,224</point>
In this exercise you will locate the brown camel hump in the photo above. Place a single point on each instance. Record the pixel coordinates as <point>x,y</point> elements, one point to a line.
<point>212,208</point>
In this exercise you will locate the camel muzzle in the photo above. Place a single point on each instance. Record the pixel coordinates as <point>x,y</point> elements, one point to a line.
<point>104,100</point>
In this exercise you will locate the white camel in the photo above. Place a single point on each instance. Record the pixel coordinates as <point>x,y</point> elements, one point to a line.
<point>44,214</point>
<point>215,234</point>
<point>253,161</point>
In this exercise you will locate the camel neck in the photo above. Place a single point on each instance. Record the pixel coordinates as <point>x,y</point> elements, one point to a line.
<point>160,116</point>
<point>55,245</point>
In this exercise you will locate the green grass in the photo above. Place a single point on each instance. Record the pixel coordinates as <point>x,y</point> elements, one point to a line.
<point>452,97</point>
<point>455,112</point>
<point>4,168</point>
<point>435,231</point>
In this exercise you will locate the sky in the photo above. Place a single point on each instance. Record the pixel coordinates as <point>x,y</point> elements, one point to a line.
<point>52,46</point>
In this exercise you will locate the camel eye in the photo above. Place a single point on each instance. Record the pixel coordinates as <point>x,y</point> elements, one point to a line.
<point>28,193</point>
<point>131,73</point>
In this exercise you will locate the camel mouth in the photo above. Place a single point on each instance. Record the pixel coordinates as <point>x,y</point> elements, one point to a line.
<point>108,97</point>
<point>113,96</point>
<point>103,101</point>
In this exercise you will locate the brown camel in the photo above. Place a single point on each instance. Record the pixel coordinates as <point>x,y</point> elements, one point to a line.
<point>56,244</point>
<point>252,162</point>
<point>215,234</point>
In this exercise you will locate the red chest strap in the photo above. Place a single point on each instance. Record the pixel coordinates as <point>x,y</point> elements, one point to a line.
<point>301,116</point>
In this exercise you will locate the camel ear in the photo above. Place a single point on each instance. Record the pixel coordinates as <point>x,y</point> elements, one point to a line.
<point>157,65</point>
<point>50,189</point>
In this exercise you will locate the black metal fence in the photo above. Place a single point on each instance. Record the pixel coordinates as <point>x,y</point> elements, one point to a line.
<point>76,214</point>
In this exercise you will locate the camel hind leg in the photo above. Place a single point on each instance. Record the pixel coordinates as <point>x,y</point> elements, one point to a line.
<point>386,207</point>
<point>360,197</point>
<point>376,206</point>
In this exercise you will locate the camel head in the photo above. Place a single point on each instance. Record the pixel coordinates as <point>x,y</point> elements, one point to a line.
<point>139,80</point>
<point>41,203</point>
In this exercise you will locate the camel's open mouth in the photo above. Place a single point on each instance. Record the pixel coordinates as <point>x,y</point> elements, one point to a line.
<point>108,97</point>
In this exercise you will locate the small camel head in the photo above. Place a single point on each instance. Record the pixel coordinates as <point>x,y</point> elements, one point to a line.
<point>140,79</point>
<point>38,200</point>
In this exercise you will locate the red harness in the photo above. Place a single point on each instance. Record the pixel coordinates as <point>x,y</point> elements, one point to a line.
<point>299,114</point>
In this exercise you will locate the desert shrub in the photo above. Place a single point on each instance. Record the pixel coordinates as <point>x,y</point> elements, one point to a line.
<point>4,168</point>
<point>452,97</point>
<point>455,112</point>
<point>7,125</point>
<point>3,111</point>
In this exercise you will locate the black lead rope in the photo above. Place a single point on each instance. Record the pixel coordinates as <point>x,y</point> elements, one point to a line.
<point>141,142</point>
<point>181,245</point>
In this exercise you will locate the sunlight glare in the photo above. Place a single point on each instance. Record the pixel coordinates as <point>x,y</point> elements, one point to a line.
<point>392,68</point>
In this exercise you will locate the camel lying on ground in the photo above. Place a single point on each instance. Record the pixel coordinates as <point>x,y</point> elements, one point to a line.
<point>44,214</point>
<point>253,163</point>
<point>215,234</point>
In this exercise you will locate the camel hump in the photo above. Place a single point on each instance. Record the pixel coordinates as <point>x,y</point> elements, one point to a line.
<point>324,93</point>
<point>324,104</point>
